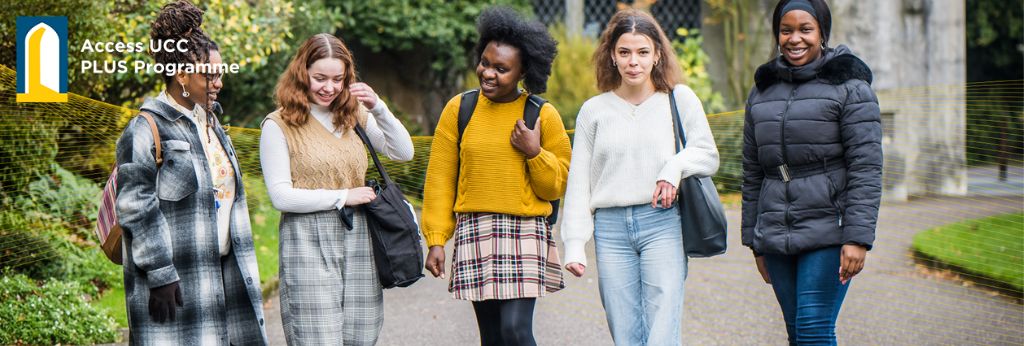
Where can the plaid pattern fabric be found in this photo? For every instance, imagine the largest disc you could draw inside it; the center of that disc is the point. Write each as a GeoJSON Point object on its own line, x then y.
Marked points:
{"type": "Point", "coordinates": [500, 256]}
{"type": "Point", "coordinates": [330, 293]}
{"type": "Point", "coordinates": [170, 234]}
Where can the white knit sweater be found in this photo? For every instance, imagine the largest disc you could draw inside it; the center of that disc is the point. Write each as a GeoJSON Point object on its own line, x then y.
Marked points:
{"type": "Point", "coordinates": [620, 153]}
{"type": "Point", "coordinates": [386, 133]}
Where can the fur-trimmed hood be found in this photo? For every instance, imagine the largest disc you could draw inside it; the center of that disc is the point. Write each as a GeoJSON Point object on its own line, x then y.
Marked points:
{"type": "Point", "coordinates": [837, 66]}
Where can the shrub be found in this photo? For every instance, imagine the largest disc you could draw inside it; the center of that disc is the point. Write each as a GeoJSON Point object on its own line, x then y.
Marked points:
{"type": "Point", "coordinates": [693, 59]}
{"type": "Point", "coordinates": [572, 79]}
{"type": "Point", "coordinates": [53, 313]}
{"type": "Point", "coordinates": [27, 247]}
{"type": "Point", "coordinates": [62, 197]}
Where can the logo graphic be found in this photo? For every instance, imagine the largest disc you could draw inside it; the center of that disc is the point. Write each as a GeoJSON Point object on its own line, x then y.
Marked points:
{"type": "Point", "coordinates": [42, 59]}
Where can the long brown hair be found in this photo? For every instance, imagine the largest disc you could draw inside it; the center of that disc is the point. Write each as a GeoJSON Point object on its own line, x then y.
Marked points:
{"type": "Point", "coordinates": [665, 75]}
{"type": "Point", "coordinates": [292, 92]}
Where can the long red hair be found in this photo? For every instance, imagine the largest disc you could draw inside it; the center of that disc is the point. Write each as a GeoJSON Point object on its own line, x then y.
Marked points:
{"type": "Point", "coordinates": [292, 92]}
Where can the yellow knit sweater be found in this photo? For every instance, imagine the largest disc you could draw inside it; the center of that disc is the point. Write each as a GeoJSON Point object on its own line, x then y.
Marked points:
{"type": "Point", "coordinates": [493, 176]}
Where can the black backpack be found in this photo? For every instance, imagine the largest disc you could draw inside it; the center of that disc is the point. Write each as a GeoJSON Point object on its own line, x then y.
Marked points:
{"type": "Point", "coordinates": [530, 115]}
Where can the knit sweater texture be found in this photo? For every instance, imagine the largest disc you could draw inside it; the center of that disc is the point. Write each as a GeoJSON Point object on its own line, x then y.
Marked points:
{"type": "Point", "coordinates": [622, 150]}
{"type": "Point", "coordinates": [487, 174]}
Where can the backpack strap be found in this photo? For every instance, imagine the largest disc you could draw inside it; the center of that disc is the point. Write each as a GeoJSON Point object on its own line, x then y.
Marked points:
{"type": "Point", "coordinates": [466, 107]}
{"type": "Point", "coordinates": [156, 136]}
{"type": "Point", "coordinates": [532, 111]}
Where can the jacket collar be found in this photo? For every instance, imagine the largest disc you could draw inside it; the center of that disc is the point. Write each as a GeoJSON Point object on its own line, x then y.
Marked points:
{"type": "Point", "coordinates": [836, 66]}
{"type": "Point", "coordinates": [152, 105]}
{"type": "Point", "coordinates": [161, 109]}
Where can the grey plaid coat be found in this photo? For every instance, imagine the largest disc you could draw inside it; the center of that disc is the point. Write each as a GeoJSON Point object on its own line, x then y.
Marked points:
{"type": "Point", "coordinates": [170, 234]}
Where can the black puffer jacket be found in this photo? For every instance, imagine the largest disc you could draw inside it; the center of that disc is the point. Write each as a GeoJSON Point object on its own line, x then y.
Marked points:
{"type": "Point", "coordinates": [822, 121]}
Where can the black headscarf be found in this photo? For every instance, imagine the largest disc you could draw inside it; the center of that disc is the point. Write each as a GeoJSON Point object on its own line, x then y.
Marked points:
{"type": "Point", "coordinates": [817, 8]}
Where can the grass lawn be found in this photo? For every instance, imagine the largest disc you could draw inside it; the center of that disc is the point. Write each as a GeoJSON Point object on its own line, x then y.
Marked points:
{"type": "Point", "coordinates": [264, 219]}
{"type": "Point", "coordinates": [990, 247]}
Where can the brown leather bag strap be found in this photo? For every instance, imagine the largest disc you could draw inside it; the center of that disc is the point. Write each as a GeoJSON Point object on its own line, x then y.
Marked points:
{"type": "Point", "coordinates": [156, 137]}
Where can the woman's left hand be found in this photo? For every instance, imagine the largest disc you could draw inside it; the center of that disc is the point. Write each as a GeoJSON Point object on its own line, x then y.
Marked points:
{"type": "Point", "coordinates": [364, 94]}
{"type": "Point", "coordinates": [526, 140]}
{"type": "Point", "coordinates": [665, 193]}
{"type": "Point", "coordinates": [851, 261]}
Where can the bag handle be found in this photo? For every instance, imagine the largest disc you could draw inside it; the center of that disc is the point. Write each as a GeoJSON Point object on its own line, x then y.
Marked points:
{"type": "Point", "coordinates": [677, 128]}
{"type": "Point", "coordinates": [376, 160]}
{"type": "Point", "coordinates": [156, 137]}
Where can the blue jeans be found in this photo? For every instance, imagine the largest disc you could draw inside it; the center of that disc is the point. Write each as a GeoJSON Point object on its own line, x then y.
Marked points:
{"type": "Point", "coordinates": [808, 289]}
{"type": "Point", "coordinates": [641, 270]}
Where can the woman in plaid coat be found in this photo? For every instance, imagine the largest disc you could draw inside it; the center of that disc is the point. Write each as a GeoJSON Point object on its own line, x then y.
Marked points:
{"type": "Point", "coordinates": [190, 275]}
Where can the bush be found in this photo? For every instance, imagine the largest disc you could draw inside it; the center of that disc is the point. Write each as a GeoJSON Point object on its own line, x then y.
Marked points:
{"type": "Point", "coordinates": [64, 198]}
{"type": "Point", "coordinates": [572, 79]}
{"type": "Point", "coordinates": [27, 247]}
{"type": "Point", "coordinates": [54, 313]}
{"type": "Point", "coordinates": [693, 59]}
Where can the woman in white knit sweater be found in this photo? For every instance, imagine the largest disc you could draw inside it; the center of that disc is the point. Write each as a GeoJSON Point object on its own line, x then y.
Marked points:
{"type": "Point", "coordinates": [623, 177]}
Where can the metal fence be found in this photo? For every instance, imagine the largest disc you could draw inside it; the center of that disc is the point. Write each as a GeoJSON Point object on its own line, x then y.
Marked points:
{"type": "Point", "coordinates": [671, 14]}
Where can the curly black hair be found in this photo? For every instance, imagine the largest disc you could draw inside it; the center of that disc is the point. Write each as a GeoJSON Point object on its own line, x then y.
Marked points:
{"type": "Point", "coordinates": [537, 49]}
{"type": "Point", "coordinates": [181, 20]}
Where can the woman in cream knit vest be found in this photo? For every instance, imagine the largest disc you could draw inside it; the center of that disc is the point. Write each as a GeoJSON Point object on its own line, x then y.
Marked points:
{"type": "Point", "coordinates": [314, 165]}
{"type": "Point", "coordinates": [622, 182]}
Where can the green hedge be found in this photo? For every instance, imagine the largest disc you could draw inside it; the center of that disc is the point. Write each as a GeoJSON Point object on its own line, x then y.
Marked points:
{"type": "Point", "coordinates": [55, 312]}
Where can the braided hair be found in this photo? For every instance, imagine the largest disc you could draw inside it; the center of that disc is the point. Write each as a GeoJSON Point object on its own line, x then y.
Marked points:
{"type": "Point", "coordinates": [181, 20]}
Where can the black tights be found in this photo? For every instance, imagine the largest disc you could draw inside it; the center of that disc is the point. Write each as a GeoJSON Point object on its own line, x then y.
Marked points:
{"type": "Point", "coordinates": [505, 322]}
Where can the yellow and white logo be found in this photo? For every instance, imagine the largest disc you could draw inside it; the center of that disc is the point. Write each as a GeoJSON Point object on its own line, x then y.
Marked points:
{"type": "Point", "coordinates": [42, 59]}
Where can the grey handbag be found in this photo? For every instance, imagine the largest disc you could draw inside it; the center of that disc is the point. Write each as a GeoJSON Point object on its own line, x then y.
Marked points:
{"type": "Point", "coordinates": [700, 210]}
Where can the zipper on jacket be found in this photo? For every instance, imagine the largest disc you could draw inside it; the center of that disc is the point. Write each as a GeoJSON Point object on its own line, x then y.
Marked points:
{"type": "Point", "coordinates": [785, 161]}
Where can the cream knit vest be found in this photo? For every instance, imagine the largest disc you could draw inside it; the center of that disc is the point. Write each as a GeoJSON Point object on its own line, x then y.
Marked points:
{"type": "Point", "coordinates": [319, 160]}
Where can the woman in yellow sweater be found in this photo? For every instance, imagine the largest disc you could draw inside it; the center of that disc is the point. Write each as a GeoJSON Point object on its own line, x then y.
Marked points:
{"type": "Point", "coordinates": [490, 186]}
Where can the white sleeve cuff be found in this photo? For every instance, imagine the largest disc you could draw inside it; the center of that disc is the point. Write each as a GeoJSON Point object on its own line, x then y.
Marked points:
{"type": "Point", "coordinates": [575, 252]}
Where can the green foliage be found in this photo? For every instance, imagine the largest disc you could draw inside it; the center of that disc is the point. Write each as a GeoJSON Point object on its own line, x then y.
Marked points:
{"type": "Point", "coordinates": [693, 59]}
{"type": "Point", "coordinates": [728, 133]}
{"type": "Point", "coordinates": [746, 38]}
{"type": "Point", "coordinates": [572, 79]}
{"type": "Point", "coordinates": [54, 313]}
{"type": "Point", "coordinates": [988, 247]}
{"type": "Point", "coordinates": [431, 40]}
{"type": "Point", "coordinates": [249, 96]}
{"type": "Point", "coordinates": [264, 219]}
{"type": "Point", "coordinates": [441, 31]}
{"type": "Point", "coordinates": [64, 198]}
{"type": "Point", "coordinates": [27, 148]}
{"type": "Point", "coordinates": [28, 246]}
{"type": "Point", "coordinates": [996, 29]}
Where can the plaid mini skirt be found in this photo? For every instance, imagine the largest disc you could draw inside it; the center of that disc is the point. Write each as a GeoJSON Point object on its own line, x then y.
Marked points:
{"type": "Point", "coordinates": [501, 256]}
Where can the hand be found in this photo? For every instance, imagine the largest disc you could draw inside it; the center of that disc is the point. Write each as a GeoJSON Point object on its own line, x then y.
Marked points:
{"type": "Point", "coordinates": [576, 268]}
{"type": "Point", "coordinates": [761, 269]}
{"type": "Point", "coordinates": [435, 261]}
{"type": "Point", "coordinates": [526, 140]}
{"type": "Point", "coordinates": [364, 93]}
{"type": "Point", "coordinates": [359, 195]}
{"type": "Point", "coordinates": [162, 301]}
{"type": "Point", "coordinates": [851, 261]}
{"type": "Point", "coordinates": [665, 193]}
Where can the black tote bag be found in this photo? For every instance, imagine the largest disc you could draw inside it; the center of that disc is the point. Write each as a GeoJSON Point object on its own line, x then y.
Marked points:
{"type": "Point", "coordinates": [700, 210]}
{"type": "Point", "coordinates": [396, 237]}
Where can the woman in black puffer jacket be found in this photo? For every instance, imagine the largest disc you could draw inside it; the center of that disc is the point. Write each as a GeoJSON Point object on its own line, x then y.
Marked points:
{"type": "Point", "coordinates": [812, 170]}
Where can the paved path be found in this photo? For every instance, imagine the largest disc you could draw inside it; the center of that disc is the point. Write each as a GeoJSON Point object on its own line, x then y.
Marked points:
{"type": "Point", "coordinates": [893, 302]}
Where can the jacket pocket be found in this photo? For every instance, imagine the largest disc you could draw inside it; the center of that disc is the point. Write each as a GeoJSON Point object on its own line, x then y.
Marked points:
{"type": "Point", "coordinates": [177, 176]}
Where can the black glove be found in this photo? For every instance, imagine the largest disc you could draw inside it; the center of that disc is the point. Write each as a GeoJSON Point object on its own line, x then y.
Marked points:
{"type": "Point", "coordinates": [162, 301]}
